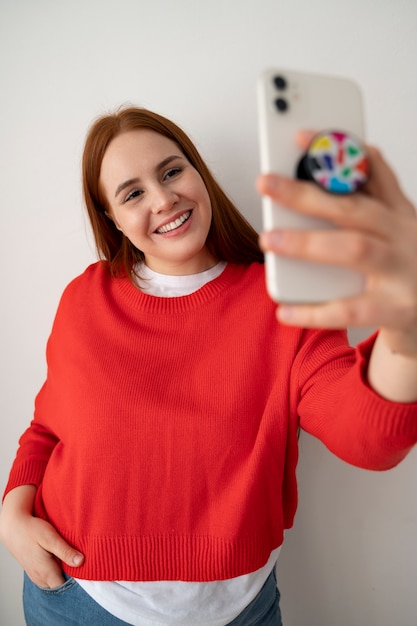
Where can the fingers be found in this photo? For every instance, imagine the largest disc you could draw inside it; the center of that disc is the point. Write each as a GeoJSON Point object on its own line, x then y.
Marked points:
{"type": "Point", "coordinates": [47, 550]}
{"type": "Point", "coordinates": [383, 188]}
{"type": "Point", "coordinates": [39, 549]}
{"type": "Point", "coordinates": [55, 545]}
{"type": "Point", "coordinates": [355, 211]}
{"type": "Point", "coordinates": [362, 311]}
{"type": "Point", "coordinates": [45, 571]}
{"type": "Point", "coordinates": [356, 250]}
{"type": "Point", "coordinates": [335, 314]}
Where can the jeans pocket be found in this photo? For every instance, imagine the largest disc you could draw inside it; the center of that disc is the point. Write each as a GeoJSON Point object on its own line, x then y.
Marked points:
{"type": "Point", "coordinates": [54, 591]}
{"type": "Point", "coordinates": [49, 607]}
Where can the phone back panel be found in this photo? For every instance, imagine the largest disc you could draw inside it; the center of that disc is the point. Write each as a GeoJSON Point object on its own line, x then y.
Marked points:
{"type": "Point", "coordinates": [318, 103]}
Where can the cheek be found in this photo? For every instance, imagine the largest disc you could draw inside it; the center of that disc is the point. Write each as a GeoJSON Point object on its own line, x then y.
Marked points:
{"type": "Point", "coordinates": [205, 202]}
{"type": "Point", "coordinates": [134, 225]}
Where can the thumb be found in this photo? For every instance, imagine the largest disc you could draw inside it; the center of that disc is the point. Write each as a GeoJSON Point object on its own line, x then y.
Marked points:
{"type": "Point", "coordinates": [52, 542]}
{"type": "Point", "coordinates": [66, 553]}
{"type": "Point", "coordinates": [304, 137]}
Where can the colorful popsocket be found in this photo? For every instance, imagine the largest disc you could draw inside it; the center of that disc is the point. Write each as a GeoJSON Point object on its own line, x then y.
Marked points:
{"type": "Point", "coordinates": [336, 161]}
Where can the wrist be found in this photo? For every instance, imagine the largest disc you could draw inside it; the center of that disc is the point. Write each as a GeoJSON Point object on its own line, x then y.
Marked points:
{"type": "Point", "coordinates": [400, 342]}
{"type": "Point", "coordinates": [20, 500]}
{"type": "Point", "coordinates": [392, 370]}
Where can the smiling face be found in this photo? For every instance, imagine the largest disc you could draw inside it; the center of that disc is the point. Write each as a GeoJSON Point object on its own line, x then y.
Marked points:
{"type": "Point", "coordinates": [158, 200]}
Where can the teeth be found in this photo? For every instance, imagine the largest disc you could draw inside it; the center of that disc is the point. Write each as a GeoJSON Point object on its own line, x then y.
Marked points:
{"type": "Point", "coordinates": [175, 224]}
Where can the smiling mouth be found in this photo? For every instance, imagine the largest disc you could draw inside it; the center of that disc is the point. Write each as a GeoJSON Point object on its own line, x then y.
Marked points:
{"type": "Point", "coordinates": [166, 228]}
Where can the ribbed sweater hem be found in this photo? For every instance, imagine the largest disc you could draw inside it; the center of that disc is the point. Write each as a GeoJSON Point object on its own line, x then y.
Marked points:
{"type": "Point", "coordinates": [190, 558]}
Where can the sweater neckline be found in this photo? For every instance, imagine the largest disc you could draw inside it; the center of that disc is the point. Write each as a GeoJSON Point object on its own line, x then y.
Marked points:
{"type": "Point", "coordinates": [169, 286]}
{"type": "Point", "coordinates": [136, 299]}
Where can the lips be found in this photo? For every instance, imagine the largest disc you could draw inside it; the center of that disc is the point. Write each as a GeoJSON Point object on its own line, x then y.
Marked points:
{"type": "Point", "coordinates": [170, 226]}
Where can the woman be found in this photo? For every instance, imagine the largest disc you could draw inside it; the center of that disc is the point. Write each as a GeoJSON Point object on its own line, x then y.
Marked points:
{"type": "Point", "coordinates": [158, 475]}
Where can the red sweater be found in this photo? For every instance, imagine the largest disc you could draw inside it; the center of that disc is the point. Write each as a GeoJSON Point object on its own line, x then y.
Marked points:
{"type": "Point", "coordinates": [164, 441]}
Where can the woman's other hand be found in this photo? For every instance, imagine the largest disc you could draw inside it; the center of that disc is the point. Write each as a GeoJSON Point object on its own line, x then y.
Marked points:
{"type": "Point", "coordinates": [33, 542]}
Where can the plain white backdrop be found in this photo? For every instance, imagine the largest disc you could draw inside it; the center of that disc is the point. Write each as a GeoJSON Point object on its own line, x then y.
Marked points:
{"type": "Point", "coordinates": [352, 556]}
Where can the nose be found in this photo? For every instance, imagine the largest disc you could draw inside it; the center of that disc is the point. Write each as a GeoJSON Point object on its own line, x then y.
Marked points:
{"type": "Point", "coordinates": [162, 199]}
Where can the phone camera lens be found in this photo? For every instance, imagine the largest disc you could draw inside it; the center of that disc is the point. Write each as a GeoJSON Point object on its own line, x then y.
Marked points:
{"type": "Point", "coordinates": [280, 82]}
{"type": "Point", "coordinates": [281, 104]}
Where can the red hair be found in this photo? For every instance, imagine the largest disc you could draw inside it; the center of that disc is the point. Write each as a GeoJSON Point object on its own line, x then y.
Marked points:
{"type": "Point", "coordinates": [231, 237]}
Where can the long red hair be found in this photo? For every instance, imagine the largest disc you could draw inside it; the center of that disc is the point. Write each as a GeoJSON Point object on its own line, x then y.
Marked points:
{"type": "Point", "coordinates": [231, 237]}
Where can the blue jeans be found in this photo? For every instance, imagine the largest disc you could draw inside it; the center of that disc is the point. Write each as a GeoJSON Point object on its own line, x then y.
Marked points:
{"type": "Point", "coordinates": [70, 605]}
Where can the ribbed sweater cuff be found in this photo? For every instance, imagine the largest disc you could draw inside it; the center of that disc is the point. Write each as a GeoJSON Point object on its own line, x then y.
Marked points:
{"type": "Point", "coordinates": [29, 473]}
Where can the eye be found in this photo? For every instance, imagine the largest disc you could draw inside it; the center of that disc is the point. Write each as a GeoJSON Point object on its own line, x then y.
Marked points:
{"type": "Point", "coordinates": [171, 173]}
{"type": "Point", "coordinates": [135, 193]}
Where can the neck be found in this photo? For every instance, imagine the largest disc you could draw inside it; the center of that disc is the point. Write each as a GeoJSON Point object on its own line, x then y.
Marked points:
{"type": "Point", "coordinates": [183, 268]}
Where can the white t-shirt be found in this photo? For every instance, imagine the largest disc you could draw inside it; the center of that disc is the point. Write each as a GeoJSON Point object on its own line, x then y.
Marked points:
{"type": "Point", "coordinates": [178, 603]}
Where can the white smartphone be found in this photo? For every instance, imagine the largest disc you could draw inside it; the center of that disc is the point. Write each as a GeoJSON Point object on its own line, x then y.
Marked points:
{"type": "Point", "coordinates": [289, 101]}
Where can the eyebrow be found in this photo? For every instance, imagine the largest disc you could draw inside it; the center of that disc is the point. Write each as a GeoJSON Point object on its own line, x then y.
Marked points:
{"type": "Point", "coordinates": [160, 165]}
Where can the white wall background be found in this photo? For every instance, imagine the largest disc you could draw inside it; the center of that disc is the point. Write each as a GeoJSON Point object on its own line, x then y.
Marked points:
{"type": "Point", "coordinates": [352, 556]}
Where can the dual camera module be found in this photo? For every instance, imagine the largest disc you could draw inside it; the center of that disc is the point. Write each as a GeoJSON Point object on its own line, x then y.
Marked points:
{"type": "Point", "coordinates": [281, 103]}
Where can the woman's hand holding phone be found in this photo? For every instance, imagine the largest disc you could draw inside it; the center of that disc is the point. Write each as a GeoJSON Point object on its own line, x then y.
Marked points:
{"type": "Point", "coordinates": [378, 238]}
